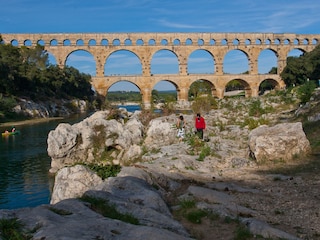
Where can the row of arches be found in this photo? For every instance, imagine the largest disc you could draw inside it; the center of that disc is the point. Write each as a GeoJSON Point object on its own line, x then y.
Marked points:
{"type": "Point", "coordinates": [125, 62]}
{"type": "Point", "coordinates": [166, 42]}
{"type": "Point", "coordinates": [236, 86]}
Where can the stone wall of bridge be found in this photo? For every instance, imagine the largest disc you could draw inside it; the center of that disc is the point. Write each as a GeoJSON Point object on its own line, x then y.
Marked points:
{"type": "Point", "coordinates": [145, 45]}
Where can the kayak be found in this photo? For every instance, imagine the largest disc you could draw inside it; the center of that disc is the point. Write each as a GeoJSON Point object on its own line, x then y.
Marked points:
{"type": "Point", "coordinates": [10, 133]}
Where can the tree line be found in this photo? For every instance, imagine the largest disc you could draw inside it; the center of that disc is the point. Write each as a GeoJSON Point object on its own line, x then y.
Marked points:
{"type": "Point", "coordinates": [26, 72]}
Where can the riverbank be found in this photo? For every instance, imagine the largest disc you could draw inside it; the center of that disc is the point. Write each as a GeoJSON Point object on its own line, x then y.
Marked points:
{"type": "Point", "coordinates": [29, 121]}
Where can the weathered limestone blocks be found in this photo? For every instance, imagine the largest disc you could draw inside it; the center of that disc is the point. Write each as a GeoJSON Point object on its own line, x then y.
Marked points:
{"type": "Point", "coordinates": [280, 142]}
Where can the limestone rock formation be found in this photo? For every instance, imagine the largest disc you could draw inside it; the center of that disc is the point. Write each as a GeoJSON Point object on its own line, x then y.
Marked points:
{"type": "Point", "coordinates": [161, 132]}
{"type": "Point", "coordinates": [89, 139]}
{"type": "Point", "coordinates": [73, 182]}
{"type": "Point", "coordinates": [50, 109]}
{"type": "Point", "coordinates": [280, 142]}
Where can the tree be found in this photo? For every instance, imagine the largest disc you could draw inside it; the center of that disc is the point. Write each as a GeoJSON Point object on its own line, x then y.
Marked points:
{"type": "Point", "coordinates": [155, 96]}
{"type": "Point", "coordinates": [273, 70]}
{"type": "Point", "coordinates": [299, 69]}
{"type": "Point", "coordinates": [294, 73]}
{"type": "Point", "coordinates": [234, 85]}
{"type": "Point", "coordinates": [199, 88]}
{"type": "Point", "coordinates": [10, 63]}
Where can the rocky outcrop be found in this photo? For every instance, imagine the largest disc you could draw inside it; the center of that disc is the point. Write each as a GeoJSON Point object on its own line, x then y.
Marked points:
{"type": "Point", "coordinates": [93, 137]}
{"type": "Point", "coordinates": [57, 108]}
{"type": "Point", "coordinates": [280, 142]}
{"type": "Point", "coordinates": [139, 192]}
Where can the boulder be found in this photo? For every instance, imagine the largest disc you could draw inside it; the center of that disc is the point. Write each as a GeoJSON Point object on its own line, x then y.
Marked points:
{"type": "Point", "coordinates": [161, 132]}
{"type": "Point", "coordinates": [91, 138]}
{"type": "Point", "coordinates": [73, 182]}
{"type": "Point", "coordinates": [281, 142]}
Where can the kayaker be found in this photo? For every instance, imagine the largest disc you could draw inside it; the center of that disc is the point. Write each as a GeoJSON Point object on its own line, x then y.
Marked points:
{"type": "Point", "coordinates": [13, 129]}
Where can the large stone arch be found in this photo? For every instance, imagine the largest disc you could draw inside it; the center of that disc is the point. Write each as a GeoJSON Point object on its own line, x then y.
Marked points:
{"type": "Point", "coordinates": [78, 50]}
{"type": "Point", "coordinates": [109, 54]}
{"type": "Point", "coordinates": [239, 50]}
{"type": "Point", "coordinates": [246, 86]}
{"type": "Point", "coordinates": [213, 89]}
{"type": "Point", "coordinates": [201, 50]}
{"type": "Point", "coordinates": [273, 83]}
{"type": "Point", "coordinates": [172, 82]}
{"type": "Point", "coordinates": [124, 80]}
{"type": "Point", "coordinates": [271, 50]}
{"type": "Point", "coordinates": [155, 52]}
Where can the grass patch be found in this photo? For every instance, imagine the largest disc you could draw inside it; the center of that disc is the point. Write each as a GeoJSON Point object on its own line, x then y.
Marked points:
{"type": "Point", "coordinates": [189, 211]}
{"type": "Point", "coordinates": [195, 216]}
{"type": "Point", "coordinates": [108, 210]}
{"type": "Point", "coordinates": [11, 229]}
{"type": "Point", "coordinates": [242, 233]}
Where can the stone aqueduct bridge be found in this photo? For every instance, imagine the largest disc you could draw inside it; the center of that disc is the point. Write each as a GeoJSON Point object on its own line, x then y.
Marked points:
{"type": "Point", "coordinates": [145, 45]}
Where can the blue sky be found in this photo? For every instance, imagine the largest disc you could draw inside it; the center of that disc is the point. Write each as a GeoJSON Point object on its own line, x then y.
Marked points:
{"type": "Point", "coordinates": [111, 16]}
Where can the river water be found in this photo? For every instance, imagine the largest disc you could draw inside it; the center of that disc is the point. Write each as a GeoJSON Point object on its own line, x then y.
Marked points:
{"type": "Point", "coordinates": [24, 164]}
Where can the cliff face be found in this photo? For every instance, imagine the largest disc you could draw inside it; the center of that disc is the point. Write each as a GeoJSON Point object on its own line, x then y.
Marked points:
{"type": "Point", "coordinates": [56, 108]}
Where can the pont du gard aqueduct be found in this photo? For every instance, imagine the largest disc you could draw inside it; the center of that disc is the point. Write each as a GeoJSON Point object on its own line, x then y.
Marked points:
{"type": "Point", "coordinates": [145, 45]}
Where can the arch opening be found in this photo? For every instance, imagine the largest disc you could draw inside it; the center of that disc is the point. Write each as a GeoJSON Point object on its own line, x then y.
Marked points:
{"type": "Point", "coordinates": [236, 62]}
{"type": "Point", "coordinates": [83, 61]}
{"type": "Point", "coordinates": [124, 92]}
{"type": "Point", "coordinates": [164, 91]}
{"type": "Point", "coordinates": [122, 62]}
{"type": "Point", "coordinates": [237, 88]}
{"type": "Point", "coordinates": [268, 85]}
{"type": "Point", "coordinates": [164, 62]}
{"type": "Point", "coordinates": [201, 61]}
{"type": "Point", "coordinates": [267, 62]}
{"type": "Point", "coordinates": [201, 87]}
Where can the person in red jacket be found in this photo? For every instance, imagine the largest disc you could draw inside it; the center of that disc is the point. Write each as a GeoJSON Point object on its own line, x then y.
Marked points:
{"type": "Point", "coordinates": [200, 125]}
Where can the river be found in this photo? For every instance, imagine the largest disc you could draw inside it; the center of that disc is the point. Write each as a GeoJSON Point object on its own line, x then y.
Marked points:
{"type": "Point", "coordinates": [24, 164]}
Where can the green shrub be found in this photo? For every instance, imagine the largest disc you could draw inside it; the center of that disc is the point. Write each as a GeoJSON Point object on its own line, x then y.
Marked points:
{"type": "Point", "coordinates": [105, 171]}
{"type": "Point", "coordinates": [204, 104]}
{"type": "Point", "coordinates": [255, 108]}
{"type": "Point", "coordinates": [205, 151]}
{"type": "Point", "coordinates": [305, 91]}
